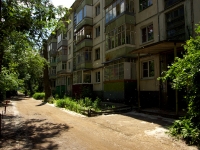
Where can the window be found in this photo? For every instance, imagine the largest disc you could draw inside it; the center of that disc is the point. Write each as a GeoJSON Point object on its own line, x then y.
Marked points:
{"type": "Point", "coordinates": [84, 33]}
{"type": "Point", "coordinates": [97, 76]}
{"type": "Point", "coordinates": [114, 71]}
{"type": "Point", "coordinates": [59, 38]}
{"type": "Point", "coordinates": [175, 23]}
{"type": "Point", "coordinates": [68, 81]}
{"type": "Point", "coordinates": [97, 9]}
{"type": "Point", "coordinates": [69, 65]}
{"type": "Point", "coordinates": [97, 54]}
{"type": "Point", "coordinates": [129, 6]}
{"type": "Point", "coordinates": [69, 35]}
{"type": "Point", "coordinates": [120, 35]}
{"type": "Point", "coordinates": [97, 31]}
{"type": "Point", "coordinates": [144, 4]}
{"type": "Point", "coordinates": [147, 33]}
{"type": "Point", "coordinates": [69, 50]}
{"type": "Point", "coordinates": [114, 10]}
{"type": "Point", "coordinates": [64, 66]}
{"type": "Point", "coordinates": [148, 69]}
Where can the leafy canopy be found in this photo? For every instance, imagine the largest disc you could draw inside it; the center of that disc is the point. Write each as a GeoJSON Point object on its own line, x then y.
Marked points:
{"type": "Point", "coordinates": [185, 75]}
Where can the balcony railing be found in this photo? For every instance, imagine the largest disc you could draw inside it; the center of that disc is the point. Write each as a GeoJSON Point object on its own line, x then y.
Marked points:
{"type": "Point", "coordinates": [61, 58]}
{"type": "Point", "coordinates": [85, 21]}
{"type": "Point", "coordinates": [62, 43]}
{"type": "Point", "coordinates": [84, 43]}
{"type": "Point", "coordinates": [52, 76]}
{"type": "Point", "coordinates": [170, 3]}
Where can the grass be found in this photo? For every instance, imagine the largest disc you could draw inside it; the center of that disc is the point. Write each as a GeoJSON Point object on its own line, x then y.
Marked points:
{"type": "Point", "coordinates": [39, 96]}
{"type": "Point", "coordinates": [78, 105]}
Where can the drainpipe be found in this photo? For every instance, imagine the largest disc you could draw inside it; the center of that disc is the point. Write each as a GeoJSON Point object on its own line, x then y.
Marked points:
{"type": "Point", "coordinates": [160, 82]}
{"type": "Point", "coordinates": [82, 77]}
{"type": "Point", "coordinates": [192, 17]}
{"type": "Point", "coordinates": [176, 91]}
{"type": "Point", "coordinates": [158, 22]}
{"type": "Point", "coordinates": [139, 81]}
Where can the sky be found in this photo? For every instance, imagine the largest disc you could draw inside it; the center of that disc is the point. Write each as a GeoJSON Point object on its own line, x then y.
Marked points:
{"type": "Point", "coordinates": [66, 3]}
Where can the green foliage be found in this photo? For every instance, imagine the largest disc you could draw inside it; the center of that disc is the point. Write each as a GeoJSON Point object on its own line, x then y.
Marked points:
{"type": "Point", "coordinates": [79, 105]}
{"type": "Point", "coordinates": [39, 96]}
{"type": "Point", "coordinates": [185, 129]}
{"type": "Point", "coordinates": [51, 100]}
{"type": "Point", "coordinates": [24, 25]}
{"type": "Point", "coordinates": [96, 104]}
{"type": "Point", "coordinates": [185, 75]}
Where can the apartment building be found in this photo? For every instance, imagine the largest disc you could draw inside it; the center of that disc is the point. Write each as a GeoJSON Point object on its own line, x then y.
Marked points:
{"type": "Point", "coordinates": [116, 49]}
{"type": "Point", "coordinates": [162, 26]}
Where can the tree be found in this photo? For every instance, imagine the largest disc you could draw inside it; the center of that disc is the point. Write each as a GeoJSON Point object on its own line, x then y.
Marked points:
{"type": "Point", "coordinates": [23, 26]}
{"type": "Point", "coordinates": [185, 75]}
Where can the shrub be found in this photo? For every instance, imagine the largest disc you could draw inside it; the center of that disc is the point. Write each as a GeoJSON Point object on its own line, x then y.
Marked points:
{"type": "Point", "coordinates": [185, 129]}
{"type": "Point", "coordinates": [51, 100]}
{"type": "Point", "coordinates": [39, 96]}
{"type": "Point", "coordinates": [96, 104]}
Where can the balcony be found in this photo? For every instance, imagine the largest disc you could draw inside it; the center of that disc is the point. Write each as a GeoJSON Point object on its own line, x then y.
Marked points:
{"type": "Point", "coordinates": [84, 65]}
{"type": "Point", "coordinates": [119, 51]}
{"type": "Point", "coordinates": [84, 43]}
{"type": "Point", "coordinates": [108, 2]}
{"type": "Point", "coordinates": [170, 3]}
{"type": "Point", "coordinates": [62, 43]}
{"type": "Point", "coordinates": [53, 64]}
{"type": "Point", "coordinates": [118, 21]}
{"type": "Point", "coordinates": [63, 72]}
{"type": "Point", "coordinates": [61, 58]}
{"type": "Point", "coordinates": [52, 52]}
{"type": "Point", "coordinates": [85, 21]}
{"type": "Point", "coordinates": [52, 76]}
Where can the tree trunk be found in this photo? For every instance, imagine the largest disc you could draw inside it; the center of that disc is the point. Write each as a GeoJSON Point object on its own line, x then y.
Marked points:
{"type": "Point", "coordinates": [47, 87]}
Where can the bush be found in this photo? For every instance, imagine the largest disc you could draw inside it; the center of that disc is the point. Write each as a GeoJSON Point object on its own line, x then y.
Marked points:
{"type": "Point", "coordinates": [96, 104]}
{"type": "Point", "coordinates": [185, 129]}
{"type": "Point", "coordinates": [39, 96]}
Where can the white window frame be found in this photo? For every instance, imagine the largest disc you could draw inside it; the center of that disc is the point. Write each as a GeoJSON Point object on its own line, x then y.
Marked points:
{"type": "Point", "coordinates": [97, 31]}
{"type": "Point", "coordinates": [148, 69]}
{"type": "Point", "coordinates": [59, 38]}
{"type": "Point", "coordinates": [98, 77]}
{"type": "Point", "coordinates": [97, 9]}
{"type": "Point", "coordinates": [97, 53]}
{"type": "Point", "coordinates": [148, 38]}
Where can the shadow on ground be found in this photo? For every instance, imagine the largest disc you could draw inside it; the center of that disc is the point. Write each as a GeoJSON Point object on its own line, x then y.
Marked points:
{"type": "Point", "coordinates": [156, 119]}
{"type": "Point", "coordinates": [30, 134]}
{"type": "Point", "coordinates": [43, 103]}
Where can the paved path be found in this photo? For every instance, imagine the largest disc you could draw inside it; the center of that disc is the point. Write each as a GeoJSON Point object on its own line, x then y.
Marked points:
{"type": "Point", "coordinates": [31, 124]}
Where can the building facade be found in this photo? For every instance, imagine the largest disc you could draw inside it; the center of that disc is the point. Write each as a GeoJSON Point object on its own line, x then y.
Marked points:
{"type": "Point", "coordinates": [116, 49]}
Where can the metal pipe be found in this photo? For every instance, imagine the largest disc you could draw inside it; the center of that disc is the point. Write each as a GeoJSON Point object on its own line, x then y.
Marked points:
{"type": "Point", "coordinates": [138, 81]}
{"type": "Point", "coordinates": [176, 91]}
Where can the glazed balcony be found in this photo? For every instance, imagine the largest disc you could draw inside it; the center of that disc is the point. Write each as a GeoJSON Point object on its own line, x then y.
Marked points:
{"type": "Point", "coordinates": [84, 65]}
{"type": "Point", "coordinates": [84, 43]}
{"type": "Point", "coordinates": [108, 2]}
{"type": "Point", "coordinates": [85, 21]}
{"type": "Point", "coordinates": [52, 76]}
{"type": "Point", "coordinates": [62, 43]}
{"type": "Point", "coordinates": [63, 71]}
{"type": "Point", "coordinates": [61, 58]}
{"type": "Point", "coordinates": [118, 21]}
{"type": "Point", "coordinates": [53, 64]}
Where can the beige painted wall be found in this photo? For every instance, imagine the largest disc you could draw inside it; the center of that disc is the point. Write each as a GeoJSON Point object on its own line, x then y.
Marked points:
{"type": "Point", "coordinates": [146, 13]}
{"type": "Point", "coordinates": [149, 84]}
{"type": "Point", "coordinates": [97, 86]}
{"type": "Point", "coordinates": [138, 27]}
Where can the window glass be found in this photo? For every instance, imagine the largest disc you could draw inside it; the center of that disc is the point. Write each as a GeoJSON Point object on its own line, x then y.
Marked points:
{"type": "Point", "coordinates": [122, 7]}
